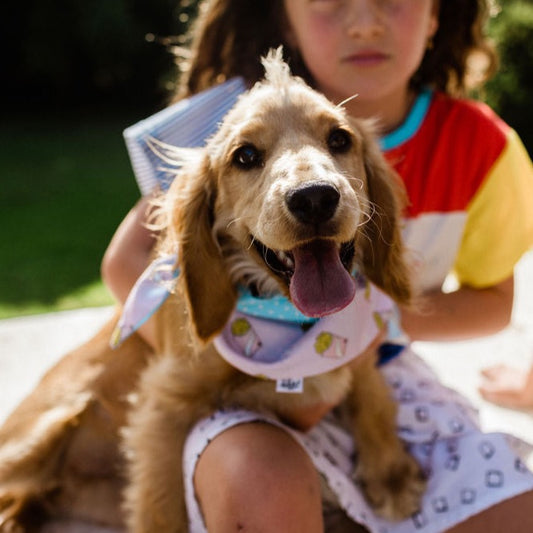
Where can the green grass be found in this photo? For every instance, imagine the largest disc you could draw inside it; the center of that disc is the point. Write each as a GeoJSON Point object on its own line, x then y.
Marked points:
{"type": "Point", "coordinates": [66, 183]}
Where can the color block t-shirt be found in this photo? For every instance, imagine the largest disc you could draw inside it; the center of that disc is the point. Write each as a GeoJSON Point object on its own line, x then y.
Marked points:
{"type": "Point", "coordinates": [469, 182]}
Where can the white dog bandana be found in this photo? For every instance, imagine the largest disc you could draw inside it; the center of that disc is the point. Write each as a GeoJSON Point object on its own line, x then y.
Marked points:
{"type": "Point", "coordinates": [268, 337]}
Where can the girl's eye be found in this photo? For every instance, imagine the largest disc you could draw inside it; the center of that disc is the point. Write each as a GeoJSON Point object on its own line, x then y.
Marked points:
{"type": "Point", "coordinates": [247, 157]}
{"type": "Point", "coordinates": [339, 141]}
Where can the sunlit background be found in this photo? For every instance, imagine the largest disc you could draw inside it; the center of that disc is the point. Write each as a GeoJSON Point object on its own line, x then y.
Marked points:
{"type": "Point", "coordinates": [76, 73]}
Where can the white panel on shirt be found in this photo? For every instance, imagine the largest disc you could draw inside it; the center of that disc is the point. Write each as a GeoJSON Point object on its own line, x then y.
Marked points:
{"type": "Point", "coordinates": [432, 240]}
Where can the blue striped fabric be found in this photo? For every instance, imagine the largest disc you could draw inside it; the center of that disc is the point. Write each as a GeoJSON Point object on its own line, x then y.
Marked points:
{"type": "Point", "coordinates": [187, 123]}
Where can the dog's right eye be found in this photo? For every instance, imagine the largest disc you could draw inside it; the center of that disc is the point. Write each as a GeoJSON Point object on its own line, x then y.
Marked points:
{"type": "Point", "coordinates": [247, 157]}
{"type": "Point", "coordinates": [339, 141]}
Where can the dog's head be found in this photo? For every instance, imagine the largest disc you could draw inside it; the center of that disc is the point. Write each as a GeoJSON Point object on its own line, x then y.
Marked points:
{"type": "Point", "coordinates": [289, 196]}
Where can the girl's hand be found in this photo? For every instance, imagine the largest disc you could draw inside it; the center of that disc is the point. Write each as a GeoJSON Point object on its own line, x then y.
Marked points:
{"type": "Point", "coordinates": [305, 417]}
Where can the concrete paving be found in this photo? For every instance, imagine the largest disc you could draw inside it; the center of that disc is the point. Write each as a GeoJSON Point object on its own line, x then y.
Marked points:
{"type": "Point", "coordinates": [30, 345]}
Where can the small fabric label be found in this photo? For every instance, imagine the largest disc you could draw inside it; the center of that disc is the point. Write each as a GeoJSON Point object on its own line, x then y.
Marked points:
{"type": "Point", "coordinates": [290, 385]}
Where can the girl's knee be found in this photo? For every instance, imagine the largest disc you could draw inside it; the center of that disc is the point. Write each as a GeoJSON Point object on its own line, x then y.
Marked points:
{"type": "Point", "coordinates": [256, 473]}
{"type": "Point", "coordinates": [513, 515]}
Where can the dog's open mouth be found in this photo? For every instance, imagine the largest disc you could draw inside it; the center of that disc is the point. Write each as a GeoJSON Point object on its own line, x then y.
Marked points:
{"type": "Point", "coordinates": [317, 273]}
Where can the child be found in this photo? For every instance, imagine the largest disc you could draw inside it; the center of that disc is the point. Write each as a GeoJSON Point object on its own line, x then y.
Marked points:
{"type": "Point", "coordinates": [470, 183]}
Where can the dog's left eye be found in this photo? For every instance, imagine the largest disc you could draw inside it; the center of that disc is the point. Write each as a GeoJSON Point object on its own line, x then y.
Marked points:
{"type": "Point", "coordinates": [339, 141]}
{"type": "Point", "coordinates": [247, 157]}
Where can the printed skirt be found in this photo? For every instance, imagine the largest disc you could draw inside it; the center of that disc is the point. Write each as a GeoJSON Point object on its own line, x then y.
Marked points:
{"type": "Point", "coordinates": [467, 470]}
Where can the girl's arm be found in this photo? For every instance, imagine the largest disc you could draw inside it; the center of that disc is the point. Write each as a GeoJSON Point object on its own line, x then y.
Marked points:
{"type": "Point", "coordinates": [127, 256]}
{"type": "Point", "coordinates": [128, 252]}
{"type": "Point", "coordinates": [463, 314]}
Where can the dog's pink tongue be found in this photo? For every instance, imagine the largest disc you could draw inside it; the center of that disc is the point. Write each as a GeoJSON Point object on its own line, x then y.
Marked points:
{"type": "Point", "coordinates": [320, 284]}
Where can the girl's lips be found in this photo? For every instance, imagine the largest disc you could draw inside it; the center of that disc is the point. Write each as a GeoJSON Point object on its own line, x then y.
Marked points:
{"type": "Point", "coordinates": [367, 58]}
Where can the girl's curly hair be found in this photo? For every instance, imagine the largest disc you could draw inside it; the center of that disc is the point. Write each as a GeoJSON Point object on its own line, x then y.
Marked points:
{"type": "Point", "coordinates": [230, 36]}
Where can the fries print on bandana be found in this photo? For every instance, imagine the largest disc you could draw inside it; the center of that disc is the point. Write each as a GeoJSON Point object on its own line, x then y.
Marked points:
{"type": "Point", "coordinates": [270, 338]}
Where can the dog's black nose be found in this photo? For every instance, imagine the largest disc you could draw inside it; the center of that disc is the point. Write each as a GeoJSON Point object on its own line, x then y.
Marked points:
{"type": "Point", "coordinates": [313, 204]}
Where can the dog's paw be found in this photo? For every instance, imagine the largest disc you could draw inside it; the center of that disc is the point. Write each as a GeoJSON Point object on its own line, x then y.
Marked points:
{"type": "Point", "coordinates": [393, 489]}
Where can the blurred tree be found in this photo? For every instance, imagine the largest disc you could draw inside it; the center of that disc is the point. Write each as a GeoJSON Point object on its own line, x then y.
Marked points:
{"type": "Point", "coordinates": [509, 93]}
{"type": "Point", "coordinates": [117, 51]}
{"type": "Point", "coordinates": [70, 51]}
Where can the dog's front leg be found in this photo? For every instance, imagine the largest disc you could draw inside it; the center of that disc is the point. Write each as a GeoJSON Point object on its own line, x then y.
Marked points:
{"type": "Point", "coordinates": [153, 445]}
{"type": "Point", "coordinates": [389, 476]}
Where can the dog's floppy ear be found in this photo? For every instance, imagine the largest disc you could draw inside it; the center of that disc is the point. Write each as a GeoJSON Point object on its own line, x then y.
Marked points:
{"type": "Point", "coordinates": [383, 258]}
{"type": "Point", "coordinates": [204, 279]}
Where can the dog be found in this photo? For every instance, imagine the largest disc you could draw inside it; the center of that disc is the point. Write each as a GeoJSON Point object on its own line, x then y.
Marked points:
{"type": "Point", "coordinates": [288, 197]}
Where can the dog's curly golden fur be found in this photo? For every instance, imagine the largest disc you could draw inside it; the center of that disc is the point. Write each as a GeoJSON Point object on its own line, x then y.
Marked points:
{"type": "Point", "coordinates": [287, 176]}
{"type": "Point", "coordinates": [287, 179]}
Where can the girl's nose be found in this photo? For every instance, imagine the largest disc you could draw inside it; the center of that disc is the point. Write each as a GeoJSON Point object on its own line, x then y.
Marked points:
{"type": "Point", "coordinates": [364, 18]}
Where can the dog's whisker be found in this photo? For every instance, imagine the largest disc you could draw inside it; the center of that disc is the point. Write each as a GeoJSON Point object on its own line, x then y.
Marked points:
{"type": "Point", "coordinates": [232, 221]}
{"type": "Point", "coordinates": [359, 183]}
{"type": "Point", "coordinates": [366, 217]}
{"type": "Point", "coordinates": [349, 99]}
{"type": "Point", "coordinates": [251, 243]}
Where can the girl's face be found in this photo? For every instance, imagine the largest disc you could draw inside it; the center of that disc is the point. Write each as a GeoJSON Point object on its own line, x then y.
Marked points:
{"type": "Point", "coordinates": [370, 48]}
